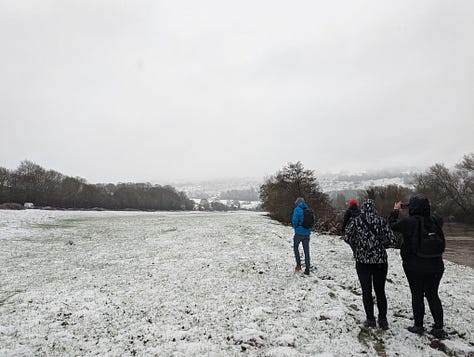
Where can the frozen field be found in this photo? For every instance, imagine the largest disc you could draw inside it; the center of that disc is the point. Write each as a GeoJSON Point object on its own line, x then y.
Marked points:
{"type": "Point", "coordinates": [180, 284]}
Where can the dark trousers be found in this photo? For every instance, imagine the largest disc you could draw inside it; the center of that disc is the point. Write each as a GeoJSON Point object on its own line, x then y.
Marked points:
{"type": "Point", "coordinates": [421, 285]}
{"type": "Point", "coordinates": [304, 240]}
{"type": "Point", "coordinates": [376, 275]}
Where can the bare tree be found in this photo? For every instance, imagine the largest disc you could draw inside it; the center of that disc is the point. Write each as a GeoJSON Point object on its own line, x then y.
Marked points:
{"type": "Point", "coordinates": [451, 191]}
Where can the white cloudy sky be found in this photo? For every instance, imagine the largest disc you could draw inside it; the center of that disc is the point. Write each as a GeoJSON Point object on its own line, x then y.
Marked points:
{"type": "Point", "coordinates": [154, 90]}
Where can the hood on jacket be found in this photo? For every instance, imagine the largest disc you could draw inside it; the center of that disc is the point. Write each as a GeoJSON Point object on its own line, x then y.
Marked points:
{"type": "Point", "coordinates": [299, 200]}
{"type": "Point", "coordinates": [369, 211]}
{"type": "Point", "coordinates": [368, 207]}
{"type": "Point", "coordinates": [302, 205]}
{"type": "Point", "coordinates": [419, 205]}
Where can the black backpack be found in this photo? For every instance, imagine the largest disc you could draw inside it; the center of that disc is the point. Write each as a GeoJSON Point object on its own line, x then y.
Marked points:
{"type": "Point", "coordinates": [308, 218]}
{"type": "Point", "coordinates": [431, 244]}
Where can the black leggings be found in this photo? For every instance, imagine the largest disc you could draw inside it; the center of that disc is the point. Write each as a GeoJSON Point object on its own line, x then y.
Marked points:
{"type": "Point", "coordinates": [421, 285]}
{"type": "Point", "coordinates": [375, 274]}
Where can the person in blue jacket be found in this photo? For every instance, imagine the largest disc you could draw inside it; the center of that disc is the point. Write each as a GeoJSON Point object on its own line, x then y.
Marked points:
{"type": "Point", "coordinates": [301, 235]}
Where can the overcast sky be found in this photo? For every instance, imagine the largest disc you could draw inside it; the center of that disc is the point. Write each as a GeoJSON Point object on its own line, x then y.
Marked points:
{"type": "Point", "coordinates": [179, 90]}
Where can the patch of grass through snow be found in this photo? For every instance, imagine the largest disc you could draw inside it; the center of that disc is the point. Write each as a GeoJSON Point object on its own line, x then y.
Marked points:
{"type": "Point", "coordinates": [52, 225]}
{"type": "Point", "coordinates": [366, 336]}
{"type": "Point", "coordinates": [8, 295]}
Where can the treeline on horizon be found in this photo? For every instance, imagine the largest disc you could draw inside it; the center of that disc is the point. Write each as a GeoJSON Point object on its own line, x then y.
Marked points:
{"type": "Point", "coordinates": [248, 194]}
{"type": "Point", "coordinates": [30, 182]}
{"type": "Point", "coordinates": [450, 191]}
{"type": "Point", "coordinates": [407, 177]}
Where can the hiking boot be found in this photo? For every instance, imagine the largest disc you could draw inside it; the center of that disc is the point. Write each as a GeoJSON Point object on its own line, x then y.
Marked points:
{"type": "Point", "coordinates": [370, 323]}
{"type": "Point", "coordinates": [298, 267]}
{"type": "Point", "coordinates": [439, 333]}
{"type": "Point", "coordinates": [383, 324]}
{"type": "Point", "coordinates": [419, 330]}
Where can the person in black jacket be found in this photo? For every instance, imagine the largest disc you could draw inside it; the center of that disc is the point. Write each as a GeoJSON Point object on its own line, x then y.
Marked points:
{"type": "Point", "coordinates": [369, 235]}
{"type": "Point", "coordinates": [423, 274]}
{"type": "Point", "coordinates": [351, 212]}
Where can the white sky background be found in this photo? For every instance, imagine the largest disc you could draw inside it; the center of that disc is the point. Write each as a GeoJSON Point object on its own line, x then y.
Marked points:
{"type": "Point", "coordinates": [173, 90]}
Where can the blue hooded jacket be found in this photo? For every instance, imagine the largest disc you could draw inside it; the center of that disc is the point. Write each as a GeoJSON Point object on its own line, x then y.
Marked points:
{"type": "Point", "coordinates": [297, 220]}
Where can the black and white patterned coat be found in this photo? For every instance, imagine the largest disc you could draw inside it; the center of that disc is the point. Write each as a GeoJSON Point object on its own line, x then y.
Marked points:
{"type": "Point", "coordinates": [369, 235]}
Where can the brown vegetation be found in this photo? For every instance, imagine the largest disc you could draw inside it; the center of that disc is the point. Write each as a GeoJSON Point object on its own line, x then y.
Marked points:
{"type": "Point", "coordinates": [10, 205]}
{"type": "Point", "coordinates": [279, 192]}
{"type": "Point", "coordinates": [451, 192]}
{"type": "Point", "coordinates": [47, 188]}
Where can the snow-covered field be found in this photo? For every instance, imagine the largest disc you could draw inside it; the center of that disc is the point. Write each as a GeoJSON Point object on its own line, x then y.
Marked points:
{"type": "Point", "coordinates": [180, 284]}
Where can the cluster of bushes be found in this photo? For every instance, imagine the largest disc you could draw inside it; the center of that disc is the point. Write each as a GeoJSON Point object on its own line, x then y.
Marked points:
{"type": "Point", "coordinates": [32, 183]}
{"type": "Point", "coordinates": [11, 206]}
{"type": "Point", "coordinates": [279, 191]}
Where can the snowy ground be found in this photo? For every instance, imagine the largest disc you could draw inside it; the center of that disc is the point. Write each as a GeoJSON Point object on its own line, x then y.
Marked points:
{"type": "Point", "coordinates": [179, 284]}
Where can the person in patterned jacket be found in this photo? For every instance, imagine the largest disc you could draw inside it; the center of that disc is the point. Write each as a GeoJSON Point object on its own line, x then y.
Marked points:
{"type": "Point", "coordinates": [369, 235]}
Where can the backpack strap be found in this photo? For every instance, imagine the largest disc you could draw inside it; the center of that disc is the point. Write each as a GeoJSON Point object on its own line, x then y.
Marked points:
{"type": "Point", "coordinates": [418, 236]}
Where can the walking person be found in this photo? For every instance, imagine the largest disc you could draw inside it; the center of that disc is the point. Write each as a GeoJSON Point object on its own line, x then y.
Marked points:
{"type": "Point", "coordinates": [369, 235]}
{"type": "Point", "coordinates": [302, 221]}
{"type": "Point", "coordinates": [351, 212]}
{"type": "Point", "coordinates": [423, 270]}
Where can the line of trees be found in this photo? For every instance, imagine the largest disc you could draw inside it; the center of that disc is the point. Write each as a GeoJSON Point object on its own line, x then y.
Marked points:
{"type": "Point", "coordinates": [216, 205]}
{"type": "Point", "coordinates": [32, 183]}
{"type": "Point", "coordinates": [249, 194]}
{"type": "Point", "coordinates": [450, 191]}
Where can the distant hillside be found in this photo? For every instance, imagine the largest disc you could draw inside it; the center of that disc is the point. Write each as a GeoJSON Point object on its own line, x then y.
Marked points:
{"type": "Point", "coordinates": [247, 189]}
{"type": "Point", "coordinates": [339, 182]}
{"type": "Point", "coordinates": [248, 194]}
{"type": "Point", "coordinates": [231, 188]}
